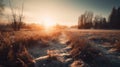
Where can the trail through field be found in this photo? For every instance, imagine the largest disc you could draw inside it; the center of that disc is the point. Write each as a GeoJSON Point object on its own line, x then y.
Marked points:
{"type": "Point", "coordinates": [58, 49]}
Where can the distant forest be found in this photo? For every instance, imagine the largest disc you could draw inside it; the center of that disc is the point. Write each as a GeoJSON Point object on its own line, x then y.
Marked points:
{"type": "Point", "coordinates": [89, 21]}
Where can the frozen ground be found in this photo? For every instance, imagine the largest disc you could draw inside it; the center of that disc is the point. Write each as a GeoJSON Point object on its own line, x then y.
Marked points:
{"type": "Point", "coordinates": [99, 39]}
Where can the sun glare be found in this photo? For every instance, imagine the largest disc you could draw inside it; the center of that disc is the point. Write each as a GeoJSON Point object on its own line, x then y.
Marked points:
{"type": "Point", "coordinates": [48, 22]}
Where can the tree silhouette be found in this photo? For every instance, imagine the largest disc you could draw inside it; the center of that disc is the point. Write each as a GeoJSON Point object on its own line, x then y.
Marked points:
{"type": "Point", "coordinates": [1, 6]}
{"type": "Point", "coordinates": [99, 22]}
{"type": "Point", "coordinates": [81, 22]}
{"type": "Point", "coordinates": [17, 21]}
{"type": "Point", "coordinates": [85, 20]}
{"type": "Point", "coordinates": [114, 18]}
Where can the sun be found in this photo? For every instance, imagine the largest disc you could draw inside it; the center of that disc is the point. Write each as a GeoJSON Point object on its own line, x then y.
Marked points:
{"type": "Point", "coordinates": [48, 22]}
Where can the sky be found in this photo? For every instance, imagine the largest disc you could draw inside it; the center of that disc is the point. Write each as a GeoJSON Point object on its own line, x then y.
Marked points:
{"type": "Point", "coordinates": [65, 12]}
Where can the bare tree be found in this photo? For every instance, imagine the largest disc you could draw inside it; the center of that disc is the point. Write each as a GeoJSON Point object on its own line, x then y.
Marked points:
{"type": "Point", "coordinates": [1, 6]}
{"type": "Point", "coordinates": [85, 20]}
{"type": "Point", "coordinates": [17, 17]}
{"type": "Point", "coordinates": [99, 22]}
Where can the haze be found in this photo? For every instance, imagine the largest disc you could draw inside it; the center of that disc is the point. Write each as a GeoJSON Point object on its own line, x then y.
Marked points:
{"type": "Point", "coordinates": [65, 12]}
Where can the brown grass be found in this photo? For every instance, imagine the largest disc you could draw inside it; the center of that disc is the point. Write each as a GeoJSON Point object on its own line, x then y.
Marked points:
{"type": "Point", "coordinates": [117, 46]}
{"type": "Point", "coordinates": [77, 47]}
{"type": "Point", "coordinates": [78, 63]}
{"type": "Point", "coordinates": [13, 47]}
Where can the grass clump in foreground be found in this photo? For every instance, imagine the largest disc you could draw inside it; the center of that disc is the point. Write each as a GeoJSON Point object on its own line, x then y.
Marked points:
{"type": "Point", "coordinates": [14, 45]}
{"type": "Point", "coordinates": [13, 48]}
{"type": "Point", "coordinates": [117, 46]}
{"type": "Point", "coordinates": [14, 53]}
{"type": "Point", "coordinates": [83, 51]}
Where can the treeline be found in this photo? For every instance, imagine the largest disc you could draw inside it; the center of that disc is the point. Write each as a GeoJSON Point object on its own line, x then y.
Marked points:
{"type": "Point", "coordinates": [16, 19]}
{"type": "Point", "coordinates": [88, 20]}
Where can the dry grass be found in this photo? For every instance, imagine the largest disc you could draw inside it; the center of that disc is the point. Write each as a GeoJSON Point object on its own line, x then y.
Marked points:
{"type": "Point", "coordinates": [117, 46]}
{"type": "Point", "coordinates": [78, 63]}
{"type": "Point", "coordinates": [13, 47]}
{"type": "Point", "coordinates": [13, 53]}
{"type": "Point", "coordinates": [83, 46]}
{"type": "Point", "coordinates": [77, 47]}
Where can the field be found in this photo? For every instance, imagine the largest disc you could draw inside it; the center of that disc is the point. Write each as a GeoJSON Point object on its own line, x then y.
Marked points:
{"type": "Point", "coordinates": [63, 48]}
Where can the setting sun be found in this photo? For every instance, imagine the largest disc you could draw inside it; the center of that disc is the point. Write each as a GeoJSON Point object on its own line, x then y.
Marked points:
{"type": "Point", "coordinates": [48, 22]}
